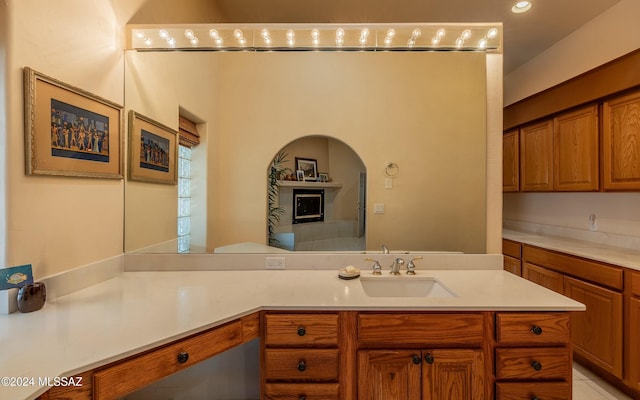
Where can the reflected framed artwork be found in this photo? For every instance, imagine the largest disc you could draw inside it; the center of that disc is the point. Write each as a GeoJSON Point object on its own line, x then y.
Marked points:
{"type": "Point", "coordinates": [153, 151]}
{"type": "Point", "coordinates": [69, 131]}
{"type": "Point", "coordinates": [309, 167]}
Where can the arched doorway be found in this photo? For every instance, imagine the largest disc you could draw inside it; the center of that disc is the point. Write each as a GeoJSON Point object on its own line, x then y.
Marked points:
{"type": "Point", "coordinates": [316, 196]}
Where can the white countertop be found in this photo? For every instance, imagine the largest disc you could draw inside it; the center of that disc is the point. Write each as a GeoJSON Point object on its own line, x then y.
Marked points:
{"type": "Point", "coordinates": [602, 252]}
{"type": "Point", "coordinates": [137, 311]}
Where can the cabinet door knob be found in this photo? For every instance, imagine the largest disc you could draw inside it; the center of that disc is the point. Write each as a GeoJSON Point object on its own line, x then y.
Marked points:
{"type": "Point", "coordinates": [303, 397]}
{"type": "Point", "coordinates": [302, 331]}
{"type": "Point", "coordinates": [302, 365]}
{"type": "Point", "coordinates": [416, 359]}
{"type": "Point", "coordinates": [429, 358]}
{"type": "Point", "coordinates": [536, 329]}
{"type": "Point", "coordinates": [534, 397]}
{"type": "Point", "coordinates": [183, 357]}
{"type": "Point", "coordinates": [536, 365]}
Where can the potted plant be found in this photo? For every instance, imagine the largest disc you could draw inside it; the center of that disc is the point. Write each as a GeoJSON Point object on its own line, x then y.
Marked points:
{"type": "Point", "coordinates": [276, 173]}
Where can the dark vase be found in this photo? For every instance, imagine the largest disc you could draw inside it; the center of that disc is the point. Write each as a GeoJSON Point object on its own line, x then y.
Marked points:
{"type": "Point", "coordinates": [32, 297]}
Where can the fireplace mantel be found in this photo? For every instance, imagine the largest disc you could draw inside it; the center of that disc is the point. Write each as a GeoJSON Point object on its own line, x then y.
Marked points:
{"type": "Point", "coordinates": [310, 185]}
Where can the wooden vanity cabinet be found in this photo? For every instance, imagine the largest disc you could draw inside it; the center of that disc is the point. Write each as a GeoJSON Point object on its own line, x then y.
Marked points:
{"type": "Point", "coordinates": [427, 356]}
{"type": "Point", "coordinates": [122, 377]}
{"type": "Point", "coordinates": [533, 356]}
{"type": "Point", "coordinates": [633, 328]}
{"type": "Point", "coordinates": [597, 333]}
{"type": "Point", "coordinates": [621, 143]}
{"type": "Point", "coordinates": [301, 356]}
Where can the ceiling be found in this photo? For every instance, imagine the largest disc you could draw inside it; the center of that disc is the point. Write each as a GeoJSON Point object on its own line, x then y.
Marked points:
{"type": "Point", "coordinates": [525, 35]}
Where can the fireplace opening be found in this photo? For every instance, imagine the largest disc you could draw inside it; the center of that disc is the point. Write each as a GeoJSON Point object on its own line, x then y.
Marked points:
{"type": "Point", "coordinates": [308, 205]}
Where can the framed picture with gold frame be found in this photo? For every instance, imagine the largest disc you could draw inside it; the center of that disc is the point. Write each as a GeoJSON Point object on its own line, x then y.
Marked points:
{"type": "Point", "coordinates": [153, 151]}
{"type": "Point", "coordinates": [69, 131]}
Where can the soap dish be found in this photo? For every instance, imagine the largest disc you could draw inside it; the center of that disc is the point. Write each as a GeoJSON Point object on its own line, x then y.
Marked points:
{"type": "Point", "coordinates": [351, 273]}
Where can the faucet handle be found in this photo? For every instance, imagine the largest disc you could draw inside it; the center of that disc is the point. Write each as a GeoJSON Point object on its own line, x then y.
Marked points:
{"type": "Point", "coordinates": [411, 267]}
{"type": "Point", "coordinates": [377, 268]}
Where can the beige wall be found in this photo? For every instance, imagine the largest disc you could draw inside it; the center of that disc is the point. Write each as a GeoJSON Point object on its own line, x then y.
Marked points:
{"type": "Point", "coordinates": [428, 115]}
{"type": "Point", "coordinates": [608, 36]}
{"type": "Point", "coordinates": [58, 223]}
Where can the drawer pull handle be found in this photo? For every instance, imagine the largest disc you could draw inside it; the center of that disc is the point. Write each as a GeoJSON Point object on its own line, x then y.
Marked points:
{"type": "Point", "coordinates": [183, 357]}
{"type": "Point", "coordinates": [416, 359]}
{"type": "Point", "coordinates": [302, 365]}
{"type": "Point", "coordinates": [302, 331]}
{"type": "Point", "coordinates": [537, 330]}
{"type": "Point", "coordinates": [534, 397]}
{"type": "Point", "coordinates": [536, 365]}
{"type": "Point", "coordinates": [429, 358]}
{"type": "Point", "coordinates": [302, 397]}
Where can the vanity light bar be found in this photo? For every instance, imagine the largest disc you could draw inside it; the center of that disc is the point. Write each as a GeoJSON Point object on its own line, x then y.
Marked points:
{"type": "Point", "coordinates": [274, 37]}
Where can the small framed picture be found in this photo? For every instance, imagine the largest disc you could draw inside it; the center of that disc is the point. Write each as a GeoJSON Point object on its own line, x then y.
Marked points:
{"type": "Point", "coordinates": [153, 151]}
{"type": "Point", "coordinates": [300, 175]}
{"type": "Point", "coordinates": [309, 167]}
{"type": "Point", "coordinates": [323, 177]}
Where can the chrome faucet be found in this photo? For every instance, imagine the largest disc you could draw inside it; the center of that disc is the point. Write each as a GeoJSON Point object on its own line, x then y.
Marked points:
{"type": "Point", "coordinates": [385, 250]}
{"type": "Point", "coordinates": [395, 267]}
{"type": "Point", "coordinates": [377, 268]}
{"type": "Point", "coordinates": [411, 267]}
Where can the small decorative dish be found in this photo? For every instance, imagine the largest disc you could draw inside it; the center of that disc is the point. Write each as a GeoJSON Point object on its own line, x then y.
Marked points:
{"type": "Point", "coordinates": [349, 272]}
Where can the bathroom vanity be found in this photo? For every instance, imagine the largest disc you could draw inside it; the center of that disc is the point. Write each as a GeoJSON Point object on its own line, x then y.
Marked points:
{"type": "Point", "coordinates": [497, 336]}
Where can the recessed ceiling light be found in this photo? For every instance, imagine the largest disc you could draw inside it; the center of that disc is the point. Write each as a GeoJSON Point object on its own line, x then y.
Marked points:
{"type": "Point", "coordinates": [521, 6]}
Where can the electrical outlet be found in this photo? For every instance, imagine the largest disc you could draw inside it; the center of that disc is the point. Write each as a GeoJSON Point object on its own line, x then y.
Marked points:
{"type": "Point", "coordinates": [593, 223]}
{"type": "Point", "coordinates": [378, 208]}
{"type": "Point", "coordinates": [275, 263]}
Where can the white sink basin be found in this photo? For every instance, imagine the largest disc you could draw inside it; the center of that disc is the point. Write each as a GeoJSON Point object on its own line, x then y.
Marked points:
{"type": "Point", "coordinates": [404, 286]}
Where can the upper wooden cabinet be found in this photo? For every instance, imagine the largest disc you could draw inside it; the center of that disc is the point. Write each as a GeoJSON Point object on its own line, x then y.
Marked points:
{"type": "Point", "coordinates": [559, 154]}
{"type": "Point", "coordinates": [536, 157]}
{"type": "Point", "coordinates": [621, 143]}
{"type": "Point", "coordinates": [575, 150]}
{"type": "Point", "coordinates": [511, 161]}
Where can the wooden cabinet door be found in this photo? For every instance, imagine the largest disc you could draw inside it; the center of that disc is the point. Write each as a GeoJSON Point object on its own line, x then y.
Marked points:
{"type": "Point", "coordinates": [536, 157]}
{"type": "Point", "coordinates": [389, 375]}
{"type": "Point", "coordinates": [621, 143]}
{"type": "Point", "coordinates": [510, 161]}
{"type": "Point", "coordinates": [543, 277]}
{"type": "Point", "coordinates": [453, 375]}
{"type": "Point", "coordinates": [597, 332]}
{"type": "Point", "coordinates": [576, 150]}
{"type": "Point", "coordinates": [634, 343]}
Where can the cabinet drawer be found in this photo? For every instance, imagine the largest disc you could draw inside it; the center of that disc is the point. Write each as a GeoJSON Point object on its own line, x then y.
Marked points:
{"type": "Point", "coordinates": [602, 274]}
{"type": "Point", "coordinates": [419, 329]}
{"type": "Point", "coordinates": [297, 330]}
{"type": "Point", "coordinates": [534, 363]}
{"type": "Point", "coordinates": [301, 364]}
{"type": "Point", "coordinates": [298, 391]}
{"type": "Point", "coordinates": [532, 328]}
{"type": "Point", "coordinates": [127, 376]}
{"type": "Point", "coordinates": [537, 390]}
{"type": "Point", "coordinates": [512, 265]}
{"type": "Point", "coordinates": [511, 248]}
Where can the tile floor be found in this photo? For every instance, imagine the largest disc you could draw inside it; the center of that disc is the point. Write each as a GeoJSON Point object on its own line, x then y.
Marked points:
{"type": "Point", "coordinates": [588, 386]}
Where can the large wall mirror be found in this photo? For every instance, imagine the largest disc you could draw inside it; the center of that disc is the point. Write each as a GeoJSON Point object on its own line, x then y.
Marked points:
{"type": "Point", "coordinates": [423, 112]}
